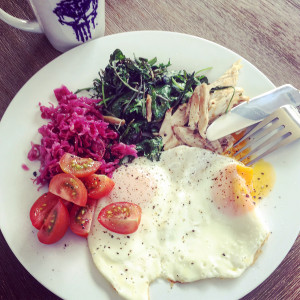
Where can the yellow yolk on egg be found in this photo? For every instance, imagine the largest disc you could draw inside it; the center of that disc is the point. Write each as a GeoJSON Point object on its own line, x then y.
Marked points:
{"type": "Point", "coordinates": [238, 188]}
{"type": "Point", "coordinates": [263, 180]}
{"type": "Point", "coordinates": [259, 178]}
{"type": "Point", "coordinates": [246, 173]}
{"type": "Point", "coordinates": [232, 191]}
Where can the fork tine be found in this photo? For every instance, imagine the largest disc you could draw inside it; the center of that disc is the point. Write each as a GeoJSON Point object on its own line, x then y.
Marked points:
{"type": "Point", "coordinates": [258, 132]}
{"type": "Point", "coordinates": [282, 143]}
{"type": "Point", "coordinates": [274, 137]}
{"type": "Point", "coordinates": [275, 141]}
{"type": "Point", "coordinates": [265, 130]}
{"type": "Point", "coordinates": [279, 129]}
{"type": "Point", "coordinates": [258, 128]}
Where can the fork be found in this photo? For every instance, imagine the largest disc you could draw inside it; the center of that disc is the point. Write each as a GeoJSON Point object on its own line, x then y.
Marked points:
{"type": "Point", "coordinates": [277, 130]}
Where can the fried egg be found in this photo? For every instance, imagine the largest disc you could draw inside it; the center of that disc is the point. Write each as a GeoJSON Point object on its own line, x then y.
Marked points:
{"type": "Point", "coordinates": [199, 220]}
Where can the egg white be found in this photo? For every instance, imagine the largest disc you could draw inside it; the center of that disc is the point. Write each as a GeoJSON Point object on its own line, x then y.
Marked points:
{"type": "Point", "coordinates": [183, 236]}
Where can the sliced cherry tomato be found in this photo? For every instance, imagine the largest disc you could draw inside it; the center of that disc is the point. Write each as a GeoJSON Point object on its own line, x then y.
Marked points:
{"type": "Point", "coordinates": [67, 204]}
{"type": "Point", "coordinates": [41, 208]}
{"type": "Point", "coordinates": [78, 166]}
{"type": "Point", "coordinates": [69, 187]}
{"type": "Point", "coordinates": [55, 226]}
{"type": "Point", "coordinates": [98, 185]}
{"type": "Point", "coordinates": [121, 217]}
{"type": "Point", "coordinates": [81, 218]}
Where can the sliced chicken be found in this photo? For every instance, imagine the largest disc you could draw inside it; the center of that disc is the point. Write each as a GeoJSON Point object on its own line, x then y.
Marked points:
{"type": "Point", "coordinates": [189, 136]}
{"type": "Point", "coordinates": [203, 109]}
{"type": "Point", "coordinates": [149, 108]}
{"type": "Point", "coordinates": [194, 106]}
{"type": "Point", "coordinates": [179, 118]}
{"type": "Point", "coordinates": [114, 120]}
{"type": "Point", "coordinates": [222, 145]}
{"type": "Point", "coordinates": [189, 123]}
{"type": "Point", "coordinates": [230, 77]}
{"type": "Point", "coordinates": [223, 100]}
{"type": "Point", "coordinates": [172, 143]}
{"type": "Point", "coordinates": [192, 138]}
{"type": "Point", "coordinates": [227, 142]}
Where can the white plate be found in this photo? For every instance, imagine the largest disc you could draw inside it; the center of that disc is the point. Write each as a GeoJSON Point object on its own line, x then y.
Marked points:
{"type": "Point", "coordinates": [66, 268]}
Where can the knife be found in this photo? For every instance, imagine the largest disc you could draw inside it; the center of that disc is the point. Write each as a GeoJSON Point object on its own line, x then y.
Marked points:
{"type": "Point", "coordinates": [249, 113]}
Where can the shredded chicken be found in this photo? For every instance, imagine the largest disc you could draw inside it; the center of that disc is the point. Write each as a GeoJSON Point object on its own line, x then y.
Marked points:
{"type": "Point", "coordinates": [189, 136]}
{"type": "Point", "coordinates": [197, 109]}
{"type": "Point", "coordinates": [222, 145]}
{"type": "Point", "coordinates": [222, 100]}
{"type": "Point", "coordinates": [149, 108]}
{"type": "Point", "coordinates": [203, 109]}
{"type": "Point", "coordinates": [193, 108]}
{"type": "Point", "coordinates": [179, 118]}
{"type": "Point", "coordinates": [189, 122]}
{"type": "Point", "coordinates": [230, 77]}
{"type": "Point", "coordinates": [192, 138]}
{"type": "Point", "coordinates": [225, 99]}
{"type": "Point", "coordinates": [114, 120]}
{"type": "Point", "coordinates": [172, 143]}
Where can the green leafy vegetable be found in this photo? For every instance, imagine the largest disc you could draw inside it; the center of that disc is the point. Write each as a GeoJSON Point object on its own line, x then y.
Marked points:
{"type": "Point", "coordinates": [123, 87]}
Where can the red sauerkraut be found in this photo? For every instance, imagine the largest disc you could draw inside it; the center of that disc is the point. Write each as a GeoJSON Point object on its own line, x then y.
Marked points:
{"type": "Point", "coordinates": [76, 126]}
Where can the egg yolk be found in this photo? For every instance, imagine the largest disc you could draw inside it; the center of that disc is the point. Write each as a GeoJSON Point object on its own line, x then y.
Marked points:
{"type": "Point", "coordinates": [246, 173]}
{"type": "Point", "coordinates": [260, 178]}
{"type": "Point", "coordinates": [263, 180]}
{"type": "Point", "coordinates": [238, 188]}
{"type": "Point", "coordinates": [232, 191]}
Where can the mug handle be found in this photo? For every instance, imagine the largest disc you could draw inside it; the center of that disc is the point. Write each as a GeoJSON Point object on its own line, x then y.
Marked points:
{"type": "Point", "coordinates": [31, 26]}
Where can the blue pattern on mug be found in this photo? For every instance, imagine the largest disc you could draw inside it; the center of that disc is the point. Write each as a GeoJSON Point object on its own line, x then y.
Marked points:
{"type": "Point", "coordinates": [79, 14]}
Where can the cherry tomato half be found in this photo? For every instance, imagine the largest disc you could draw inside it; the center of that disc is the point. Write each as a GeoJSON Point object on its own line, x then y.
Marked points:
{"type": "Point", "coordinates": [78, 166]}
{"type": "Point", "coordinates": [98, 186]}
{"type": "Point", "coordinates": [55, 226]}
{"type": "Point", "coordinates": [69, 188]}
{"type": "Point", "coordinates": [81, 218]}
{"type": "Point", "coordinates": [121, 217]}
{"type": "Point", "coordinates": [67, 204]}
{"type": "Point", "coordinates": [41, 208]}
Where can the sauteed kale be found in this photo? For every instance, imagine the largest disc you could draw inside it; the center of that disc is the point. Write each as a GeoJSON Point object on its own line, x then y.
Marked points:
{"type": "Point", "coordinates": [124, 86]}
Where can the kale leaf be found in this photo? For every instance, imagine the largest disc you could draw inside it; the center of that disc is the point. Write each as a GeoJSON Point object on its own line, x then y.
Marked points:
{"type": "Point", "coordinates": [124, 86]}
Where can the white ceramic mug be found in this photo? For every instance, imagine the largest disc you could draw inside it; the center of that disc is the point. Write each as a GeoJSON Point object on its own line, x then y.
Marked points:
{"type": "Point", "coordinates": [66, 23]}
